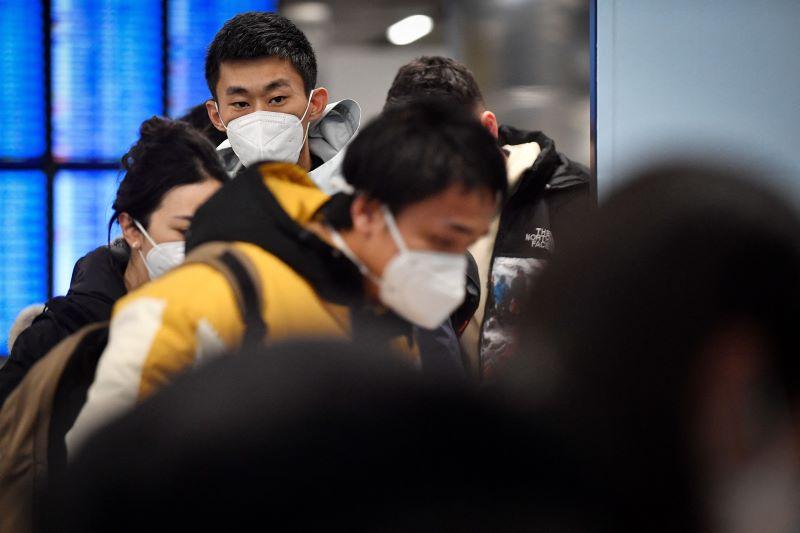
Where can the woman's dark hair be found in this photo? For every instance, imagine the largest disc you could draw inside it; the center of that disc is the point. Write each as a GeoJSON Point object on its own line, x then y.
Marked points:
{"type": "Point", "coordinates": [168, 153]}
{"type": "Point", "coordinates": [415, 151]}
{"type": "Point", "coordinates": [197, 117]}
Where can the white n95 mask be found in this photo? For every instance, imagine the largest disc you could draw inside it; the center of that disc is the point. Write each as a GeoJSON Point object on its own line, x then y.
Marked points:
{"type": "Point", "coordinates": [267, 136]}
{"type": "Point", "coordinates": [161, 257]}
{"type": "Point", "coordinates": [421, 286]}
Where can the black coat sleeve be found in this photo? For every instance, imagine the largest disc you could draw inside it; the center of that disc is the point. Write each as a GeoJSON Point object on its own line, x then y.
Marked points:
{"type": "Point", "coordinates": [570, 215]}
{"type": "Point", "coordinates": [31, 345]}
{"type": "Point", "coordinates": [440, 352]}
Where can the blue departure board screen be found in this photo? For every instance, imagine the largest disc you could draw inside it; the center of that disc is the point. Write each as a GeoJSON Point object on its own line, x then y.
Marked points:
{"type": "Point", "coordinates": [23, 244]}
{"type": "Point", "coordinates": [82, 206]}
{"type": "Point", "coordinates": [192, 26]}
{"type": "Point", "coordinates": [22, 88]}
{"type": "Point", "coordinates": [107, 75]}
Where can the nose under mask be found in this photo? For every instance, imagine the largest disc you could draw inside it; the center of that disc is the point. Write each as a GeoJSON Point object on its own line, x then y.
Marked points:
{"type": "Point", "coordinates": [267, 136]}
{"type": "Point", "coordinates": [162, 257]}
{"type": "Point", "coordinates": [424, 287]}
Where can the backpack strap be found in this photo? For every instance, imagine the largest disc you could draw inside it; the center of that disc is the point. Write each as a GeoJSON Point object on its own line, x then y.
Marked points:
{"type": "Point", "coordinates": [25, 426]}
{"type": "Point", "coordinates": [71, 390]}
{"type": "Point", "coordinates": [241, 275]}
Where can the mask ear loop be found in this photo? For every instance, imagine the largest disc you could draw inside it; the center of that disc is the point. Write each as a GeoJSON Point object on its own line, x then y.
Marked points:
{"type": "Point", "coordinates": [338, 241]}
{"type": "Point", "coordinates": [308, 106]}
{"type": "Point", "coordinates": [144, 232]}
{"type": "Point", "coordinates": [146, 236]}
{"type": "Point", "coordinates": [393, 230]}
{"type": "Point", "coordinates": [216, 105]}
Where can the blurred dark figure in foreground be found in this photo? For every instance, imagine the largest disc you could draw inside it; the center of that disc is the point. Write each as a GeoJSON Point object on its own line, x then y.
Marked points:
{"type": "Point", "coordinates": [326, 436]}
{"type": "Point", "coordinates": [672, 343]}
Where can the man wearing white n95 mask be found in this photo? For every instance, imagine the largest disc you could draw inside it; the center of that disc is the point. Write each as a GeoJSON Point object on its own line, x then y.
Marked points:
{"type": "Point", "coordinates": [262, 73]}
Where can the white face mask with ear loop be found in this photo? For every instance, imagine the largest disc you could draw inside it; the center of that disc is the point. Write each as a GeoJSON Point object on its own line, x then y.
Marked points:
{"type": "Point", "coordinates": [424, 287]}
{"type": "Point", "coordinates": [161, 257]}
{"type": "Point", "coordinates": [267, 135]}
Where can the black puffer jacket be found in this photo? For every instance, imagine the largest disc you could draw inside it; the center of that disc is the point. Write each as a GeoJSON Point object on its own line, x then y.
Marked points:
{"type": "Point", "coordinates": [97, 283]}
{"type": "Point", "coordinates": [546, 206]}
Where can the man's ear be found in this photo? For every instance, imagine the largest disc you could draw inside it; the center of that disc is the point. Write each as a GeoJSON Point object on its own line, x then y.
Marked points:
{"type": "Point", "coordinates": [364, 214]}
{"type": "Point", "coordinates": [213, 115]}
{"type": "Point", "coordinates": [489, 121]}
{"type": "Point", "coordinates": [130, 232]}
{"type": "Point", "coordinates": [319, 101]}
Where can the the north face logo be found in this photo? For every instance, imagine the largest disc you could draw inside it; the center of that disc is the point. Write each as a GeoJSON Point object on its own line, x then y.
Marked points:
{"type": "Point", "coordinates": [543, 238]}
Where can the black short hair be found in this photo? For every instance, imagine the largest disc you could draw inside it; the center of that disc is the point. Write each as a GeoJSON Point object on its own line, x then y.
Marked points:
{"type": "Point", "coordinates": [434, 77]}
{"type": "Point", "coordinates": [197, 117]}
{"type": "Point", "coordinates": [258, 34]}
{"type": "Point", "coordinates": [412, 152]}
{"type": "Point", "coordinates": [168, 153]}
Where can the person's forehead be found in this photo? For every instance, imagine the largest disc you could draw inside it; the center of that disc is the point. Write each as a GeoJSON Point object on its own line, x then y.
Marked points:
{"type": "Point", "coordinates": [455, 207]}
{"type": "Point", "coordinates": [458, 199]}
{"type": "Point", "coordinates": [186, 196]}
{"type": "Point", "coordinates": [254, 74]}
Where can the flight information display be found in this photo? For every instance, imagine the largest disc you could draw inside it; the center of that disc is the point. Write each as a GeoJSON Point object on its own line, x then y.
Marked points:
{"type": "Point", "coordinates": [23, 244]}
{"type": "Point", "coordinates": [82, 206]}
{"type": "Point", "coordinates": [107, 75]}
{"type": "Point", "coordinates": [192, 25]}
{"type": "Point", "coordinates": [107, 67]}
{"type": "Point", "coordinates": [22, 88]}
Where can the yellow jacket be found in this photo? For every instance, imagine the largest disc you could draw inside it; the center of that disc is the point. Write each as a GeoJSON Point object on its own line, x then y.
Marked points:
{"type": "Point", "coordinates": [190, 314]}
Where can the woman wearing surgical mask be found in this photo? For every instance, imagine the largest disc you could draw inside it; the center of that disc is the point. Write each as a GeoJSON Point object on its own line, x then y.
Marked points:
{"type": "Point", "coordinates": [170, 171]}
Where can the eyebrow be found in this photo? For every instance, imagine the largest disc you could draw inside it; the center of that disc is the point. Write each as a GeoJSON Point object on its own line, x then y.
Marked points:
{"type": "Point", "coordinates": [271, 86]}
{"type": "Point", "coordinates": [277, 84]}
{"type": "Point", "coordinates": [184, 217]}
{"type": "Point", "coordinates": [466, 230]}
{"type": "Point", "coordinates": [236, 90]}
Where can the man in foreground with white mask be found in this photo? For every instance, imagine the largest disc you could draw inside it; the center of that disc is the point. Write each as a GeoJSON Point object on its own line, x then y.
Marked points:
{"type": "Point", "coordinates": [425, 183]}
{"type": "Point", "coordinates": [262, 74]}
